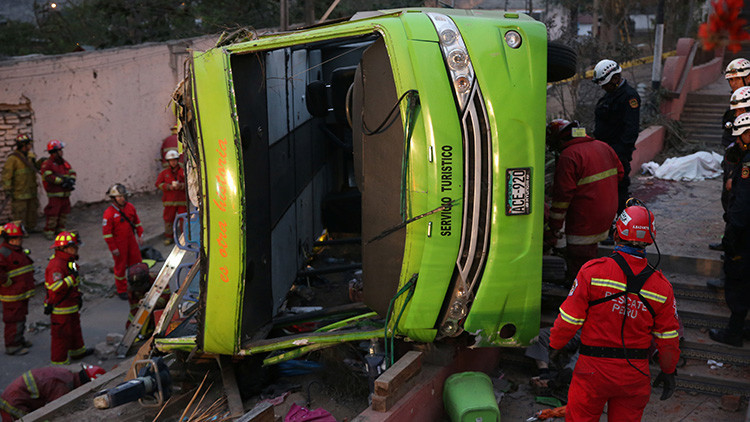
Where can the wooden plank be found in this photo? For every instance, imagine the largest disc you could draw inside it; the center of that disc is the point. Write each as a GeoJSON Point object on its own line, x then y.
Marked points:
{"type": "Point", "coordinates": [236, 409]}
{"type": "Point", "coordinates": [398, 374]}
{"type": "Point", "coordinates": [263, 412]}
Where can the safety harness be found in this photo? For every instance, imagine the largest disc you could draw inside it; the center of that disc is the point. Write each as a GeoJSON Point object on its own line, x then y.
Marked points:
{"type": "Point", "coordinates": [634, 284]}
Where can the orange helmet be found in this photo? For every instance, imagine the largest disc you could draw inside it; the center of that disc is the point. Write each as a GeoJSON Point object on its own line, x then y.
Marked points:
{"type": "Point", "coordinates": [13, 230]}
{"type": "Point", "coordinates": [55, 145]}
{"type": "Point", "coordinates": [636, 224]}
{"type": "Point", "coordinates": [93, 371]}
{"type": "Point", "coordinates": [65, 239]}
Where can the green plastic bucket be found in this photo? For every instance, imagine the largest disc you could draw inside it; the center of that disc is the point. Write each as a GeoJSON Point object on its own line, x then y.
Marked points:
{"type": "Point", "coordinates": [469, 397]}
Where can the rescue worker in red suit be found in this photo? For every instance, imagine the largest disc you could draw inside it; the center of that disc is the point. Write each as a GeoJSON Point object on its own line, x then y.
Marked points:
{"type": "Point", "coordinates": [171, 182]}
{"type": "Point", "coordinates": [613, 366]}
{"type": "Point", "coordinates": [64, 300]}
{"type": "Point", "coordinates": [58, 178]}
{"type": "Point", "coordinates": [37, 387]}
{"type": "Point", "coordinates": [16, 287]}
{"type": "Point", "coordinates": [122, 231]}
{"type": "Point", "coordinates": [584, 194]}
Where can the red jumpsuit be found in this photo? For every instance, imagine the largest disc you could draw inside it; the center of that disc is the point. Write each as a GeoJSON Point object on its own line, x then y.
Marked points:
{"type": "Point", "coordinates": [600, 380]}
{"type": "Point", "coordinates": [174, 200]}
{"type": "Point", "coordinates": [584, 196]}
{"type": "Point", "coordinates": [62, 292]}
{"type": "Point", "coordinates": [34, 389]}
{"type": "Point", "coordinates": [16, 287]}
{"type": "Point", "coordinates": [120, 236]}
{"type": "Point", "coordinates": [54, 170]}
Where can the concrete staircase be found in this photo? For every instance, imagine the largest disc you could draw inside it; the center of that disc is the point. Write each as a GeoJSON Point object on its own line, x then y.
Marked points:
{"type": "Point", "coordinates": [701, 118]}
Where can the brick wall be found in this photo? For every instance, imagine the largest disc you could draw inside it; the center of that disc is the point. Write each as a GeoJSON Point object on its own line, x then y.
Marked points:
{"type": "Point", "coordinates": [14, 120]}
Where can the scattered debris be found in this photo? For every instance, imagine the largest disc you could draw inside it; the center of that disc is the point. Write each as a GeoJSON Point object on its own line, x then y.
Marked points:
{"type": "Point", "coordinates": [714, 364]}
{"type": "Point", "coordinates": [114, 338]}
{"type": "Point", "coordinates": [301, 414]}
{"type": "Point", "coordinates": [104, 350]}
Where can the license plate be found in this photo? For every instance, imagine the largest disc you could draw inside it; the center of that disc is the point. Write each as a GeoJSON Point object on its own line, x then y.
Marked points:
{"type": "Point", "coordinates": [518, 191]}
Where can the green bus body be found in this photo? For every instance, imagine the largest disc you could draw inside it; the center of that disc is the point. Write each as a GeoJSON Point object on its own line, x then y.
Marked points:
{"type": "Point", "coordinates": [498, 234]}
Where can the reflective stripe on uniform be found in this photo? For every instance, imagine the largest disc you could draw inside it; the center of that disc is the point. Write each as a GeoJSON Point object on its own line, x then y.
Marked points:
{"type": "Point", "coordinates": [585, 240]}
{"type": "Point", "coordinates": [16, 413]}
{"type": "Point", "coordinates": [31, 387]}
{"type": "Point", "coordinates": [66, 310]}
{"type": "Point", "coordinates": [666, 334]}
{"type": "Point", "coordinates": [78, 352]}
{"type": "Point", "coordinates": [54, 286]}
{"type": "Point", "coordinates": [561, 205]}
{"type": "Point", "coordinates": [65, 362]}
{"type": "Point", "coordinates": [58, 194]}
{"type": "Point", "coordinates": [570, 319]}
{"type": "Point", "coordinates": [16, 298]}
{"type": "Point", "coordinates": [597, 177]}
{"type": "Point", "coordinates": [21, 270]}
{"type": "Point", "coordinates": [653, 296]}
{"type": "Point", "coordinates": [175, 204]}
{"type": "Point", "coordinates": [70, 281]}
{"type": "Point", "coordinates": [603, 282]}
{"type": "Point", "coordinates": [107, 236]}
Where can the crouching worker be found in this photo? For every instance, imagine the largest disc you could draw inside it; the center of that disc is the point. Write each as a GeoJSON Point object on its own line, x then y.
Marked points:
{"type": "Point", "coordinates": [139, 283]}
{"type": "Point", "coordinates": [37, 387]}
{"type": "Point", "coordinates": [64, 300]}
{"type": "Point", "coordinates": [620, 303]}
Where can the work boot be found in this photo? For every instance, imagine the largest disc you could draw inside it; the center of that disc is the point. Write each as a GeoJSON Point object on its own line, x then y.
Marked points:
{"type": "Point", "coordinates": [168, 241]}
{"type": "Point", "coordinates": [716, 246]}
{"type": "Point", "coordinates": [715, 284]}
{"type": "Point", "coordinates": [123, 296]}
{"type": "Point", "coordinates": [87, 352]}
{"type": "Point", "coordinates": [16, 351]}
{"type": "Point", "coordinates": [27, 343]}
{"type": "Point", "coordinates": [722, 335]}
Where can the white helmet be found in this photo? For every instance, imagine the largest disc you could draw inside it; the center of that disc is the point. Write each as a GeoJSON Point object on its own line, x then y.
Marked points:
{"type": "Point", "coordinates": [172, 154]}
{"type": "Point", "coordinates": [740, 98]}
{"type": "Point", "coordinates": [741, 124]}
{"type": "Point", "coordinates": [737, 68]}
{"type": "Point", "coordinates": [117, 190]}
{"type": "Point", "coordinates": [604, 70]}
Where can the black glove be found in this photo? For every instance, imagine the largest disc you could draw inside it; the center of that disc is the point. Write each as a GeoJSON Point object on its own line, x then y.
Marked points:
{"type": "Point", "coordinates": [555, 359]}
{"type": "Point", "coordinates": [68, 183]}
{"type": "Point", "coordinates": [668, 383]}
{"type": "Point", "coordinates": [48, 308]}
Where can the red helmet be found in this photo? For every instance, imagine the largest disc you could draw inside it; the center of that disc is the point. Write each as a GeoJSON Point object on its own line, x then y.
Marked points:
{"type": "Point", "coordinates": [93, 371]}
{"type": "Point", "coordinates": [13, 230]}
{"type": "Point", "coordinates": [636, 224]}
{"type": "Point", "coordinates": [65, 239]}
{"type": "Point", "coordinates": [55, 145]}
{"type": "Point", "coordinates": [560, 130]}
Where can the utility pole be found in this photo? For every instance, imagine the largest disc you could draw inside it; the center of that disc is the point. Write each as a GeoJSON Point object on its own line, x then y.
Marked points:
{"type": "Point", "coordinates": [658, 47]}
